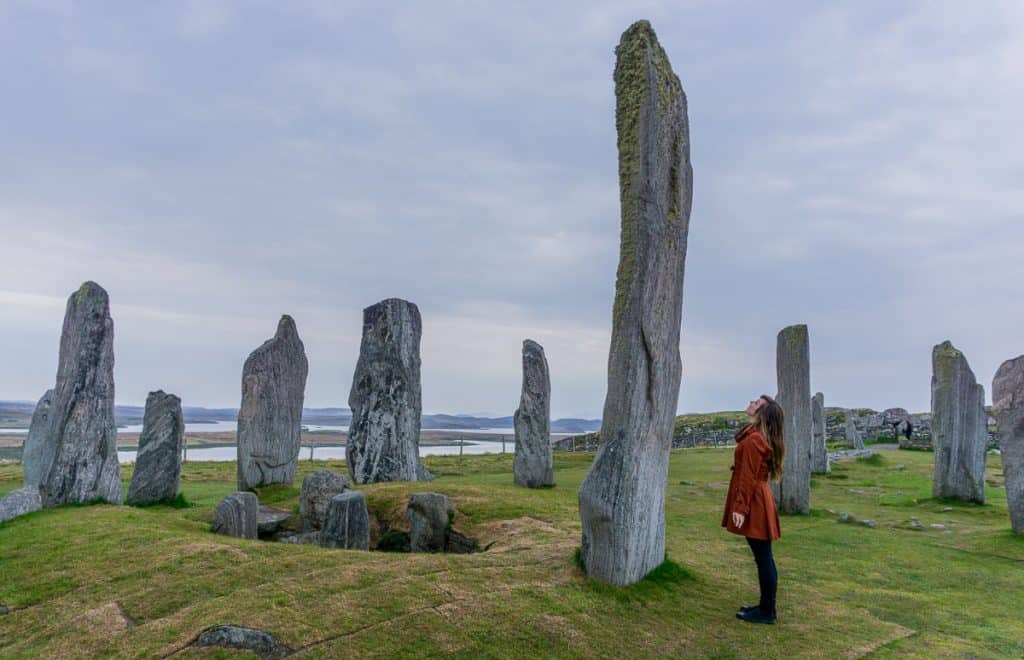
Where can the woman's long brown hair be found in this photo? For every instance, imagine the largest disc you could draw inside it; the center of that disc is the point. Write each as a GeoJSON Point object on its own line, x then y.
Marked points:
{"type": "Point", "coordinates": [771, 420]}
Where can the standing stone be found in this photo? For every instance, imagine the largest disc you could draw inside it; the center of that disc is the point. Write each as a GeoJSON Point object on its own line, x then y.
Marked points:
{"type": "Point", "coordinates": [347, 523]}
{"type": "Point", "coordinates": [793, 368]}
{"type": "Point", "coordinates": [959, 427]}
{"type": "Point", "coordinates": [1008, 408]}
{"type": "Point", "coordinates": [236, 516]}
{"type": "Point", "coordinates": [430, 518]}
{"type": "Point", "coordinates": [19, 502]}
{"type": "Point", "coordinates": [71, 450]}
{"type": "Point", "coordinates": [532, 464]}
{"type": "Point", "coordinates": [384, 435]}
{"type": "Point", "coordinates": [819, 455]}
{"type": "Point", "coordinates": [314, 498]}
{"type": "Point", "coordinates": [853, 436]}
{"type": "Point", "coordinates": [622, 498]}
{"type": "Point", "coordinates": [158, 462]}
{"type": "Point", "coordinates": [270, 419]}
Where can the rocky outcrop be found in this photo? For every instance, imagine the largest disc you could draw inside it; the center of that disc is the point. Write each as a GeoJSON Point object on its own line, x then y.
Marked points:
{"type": "Point", "coordinates": [71, 449]}
{"type": "Point", "coordinates": [347, 523]}
{"type": "Point", "coordinates": [314, 498]}
{"type": "Point", "coordinates": [158, 462]}
{"type": "Point", "coordinates": [430, 517]}
{"type": "Point", "coordinates": [819, 451]}
{"type": "Point", "coordinates": [793, 367]}
{"type": "Point", "coordinates": [384, 435]}
{"type": "Point", "coordinates": [236, 516]}
{"type": "Point", "coordinates": [19, 502]}
{"type": "Point", "coordinates": [270, 419]}
{"type": "Point", "coordinates": [622, 498]}
{"type": "Point", "coordinates": [531, 466]}
{"type": "Point", "coordinates": [959, 427]}
{"type": "Point", "coordinates": [1008, 409]}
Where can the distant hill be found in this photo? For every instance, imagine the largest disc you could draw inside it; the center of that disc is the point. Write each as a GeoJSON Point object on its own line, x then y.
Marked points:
{"type": "Point", "coordinates": [18, 414]}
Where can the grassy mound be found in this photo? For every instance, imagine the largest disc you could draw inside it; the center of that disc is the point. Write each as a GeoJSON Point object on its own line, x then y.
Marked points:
{"type": "Point", "coordinates": [107, 580]}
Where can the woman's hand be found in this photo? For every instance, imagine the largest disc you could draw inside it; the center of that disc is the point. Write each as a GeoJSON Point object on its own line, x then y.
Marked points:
{"type": "Point", "coordinates": [738, 519]}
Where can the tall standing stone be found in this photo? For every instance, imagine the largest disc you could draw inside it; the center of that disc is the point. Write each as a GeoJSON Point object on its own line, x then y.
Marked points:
{"type": "Point", "coordinates": [71, 449]}
{"type": "Point", "coordinates": [1008, 409]}
{"type": "Point", "coordinates": [959, 427]}
{"type": "Point", "coordinates": [853, 436]}
{"type": "Point", "coordinates": [819, 452]}
{"type": "Point", "coordinates": [622, 498]}
{"type": "Point", "coordinates": [270, 418]}
{"type": "Point", "coordinates": [532, 464]}
{"type": "Point", "coordinates": [793, 368]}
{"type": "Point", "coordinates": [158, 462]}
{"type": "Point", "coordinates": [384, 435]}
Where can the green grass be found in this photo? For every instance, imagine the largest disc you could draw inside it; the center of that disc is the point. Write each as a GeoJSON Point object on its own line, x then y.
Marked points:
{"type": "Point", "coordinates": [846, 590]}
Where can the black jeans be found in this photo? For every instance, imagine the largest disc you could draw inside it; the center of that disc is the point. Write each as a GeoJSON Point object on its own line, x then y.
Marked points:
{"type": "Point", "coordinates": [767, 576]}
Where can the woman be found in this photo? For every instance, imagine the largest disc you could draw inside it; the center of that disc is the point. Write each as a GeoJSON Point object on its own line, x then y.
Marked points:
{"type": "Point", "coordinates": [750, 506]}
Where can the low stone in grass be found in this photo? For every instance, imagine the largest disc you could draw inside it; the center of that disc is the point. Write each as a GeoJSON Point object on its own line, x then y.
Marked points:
{"type": "Point", "coordinates": [347, 523]}
{"type": "Point", "coordinates": [317, 490]}
{"type": "Point", "coordinates": [430, 517]}
{"type": "Point", "coordinates": [259, 642]}
{"type": "Point", "coordinates": [19, 502]}
{"type": "Point", "coordinates": [236, 516]}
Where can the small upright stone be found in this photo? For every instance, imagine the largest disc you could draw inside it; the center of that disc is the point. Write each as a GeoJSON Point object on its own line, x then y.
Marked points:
{"type": "Point", "coordinates": [959, 427]}
{"type": "Point", "coordinates": [236, 516]}
{"type": "Point", "coordinates": [622, 498]}
{"type": "Point", "coordinates": [819, 457]}
{"type": "Point", "coordinates": [1008, 409]}
{"type": "Point", "coordinates": [430, 517]}
{"type": "Point", "coordinates": [347, 523]}
{"type": "Point", "coordinates": [793, 365]}
{"type": "Point", "coordinates": [270, 418]}
{"type": "Point", "coordinates": [19, 502]}
{"type": "Point", "coordinates": [532, 463]}
{"type": "Point", "coordinates": [384, 435]}
{"type": "Point", "coordinates": [853, 436]}
{"type": "Point", "coordinates": [314, 498]}
{"type": "Point", "coordinates": [158, 462]}
{"type": "Point", "coordinates": [71, 449]}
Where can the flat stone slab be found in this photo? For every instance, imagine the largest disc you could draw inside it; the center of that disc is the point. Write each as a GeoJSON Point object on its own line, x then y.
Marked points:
{"type": "Point", "coordinates": [269, 520]}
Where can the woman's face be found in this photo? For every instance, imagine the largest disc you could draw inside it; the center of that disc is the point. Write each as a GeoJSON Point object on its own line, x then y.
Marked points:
{"type": "Point", "coordinates": [754, 406]}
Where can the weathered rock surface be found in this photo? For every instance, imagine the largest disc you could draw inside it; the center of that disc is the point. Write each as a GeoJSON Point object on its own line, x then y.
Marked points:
{"type": "Point", "coordinates": [269, 520]}
{"type": "Point", "coordinates": [19, 502]}
{"type": "Point", "coordinates": [959, 427]}
{"type": "Point", "coordinates": [793, 368]}
{"type": "Point", "coordinates": [71, 449]}
{"type": "Point", "coordinates": [531, 466]}
{"type": "Point", "coordinates": [819, 453]}
{"type": "Point", "coordinates": [314, 498]}
{"type": "Point", "coordinates": [236, 515]}
{"type": "Point", "coordinates": [384, 435]}
{"type": "Point", "coordinates": [622, 498]}
{"type": "Point", "coordinates": [263, 644]}
{"type": "Point", "coordinates": [1008, 409]}
{"type": "Point", "coordinates": [158, 463]}
{"type": "Point", "coordinates": [853, 436]}
{"type": "Point", "coordinates": [347, 524]}
{"type": "Point", "coordinates": [270, 418]}
{"type": "Point", "coordinates": [430, 517]}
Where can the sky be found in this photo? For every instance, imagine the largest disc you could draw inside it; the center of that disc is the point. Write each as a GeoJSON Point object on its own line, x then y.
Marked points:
{"type": "Point", "coordinates": [214, 164]}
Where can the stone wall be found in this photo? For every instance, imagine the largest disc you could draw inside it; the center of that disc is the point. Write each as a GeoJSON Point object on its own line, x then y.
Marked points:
{"type": "Point", "coordinates": [874, 426]}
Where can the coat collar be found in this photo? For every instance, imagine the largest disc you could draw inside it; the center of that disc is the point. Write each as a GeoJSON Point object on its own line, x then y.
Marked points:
{"type": "Point", "coordinates": [745, 432]}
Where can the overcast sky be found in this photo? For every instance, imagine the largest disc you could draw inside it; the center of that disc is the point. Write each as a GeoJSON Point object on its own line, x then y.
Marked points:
{"type": "Point", "coordinates": [213, 165]}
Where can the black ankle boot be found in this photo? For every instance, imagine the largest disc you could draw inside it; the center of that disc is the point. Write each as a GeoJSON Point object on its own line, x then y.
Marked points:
{"type": "Point", "coordinates": [747, 608]}
{"type": "Point", "coordinates": [756, 616]}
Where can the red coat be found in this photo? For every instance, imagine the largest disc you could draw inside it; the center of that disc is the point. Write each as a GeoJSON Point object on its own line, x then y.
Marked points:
{"type": "Point", "coordinates": [749, 492]}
